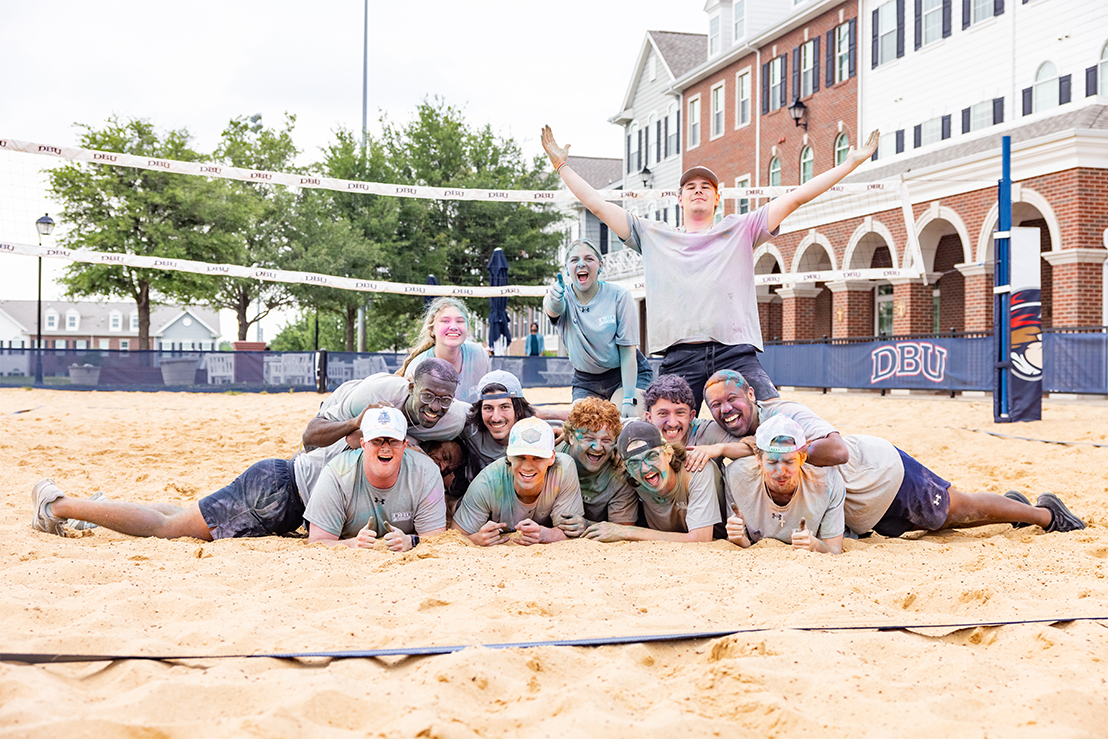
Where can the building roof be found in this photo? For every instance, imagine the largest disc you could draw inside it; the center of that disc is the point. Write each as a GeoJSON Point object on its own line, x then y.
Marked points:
{"type": "Point", "coordinates": [95, 317]}
{"type": "Point", "coordinates": [597, 171]}
{"type": "Point", "coordinates": [1085, 118]}
{"type": "Point", "coordinates": [680, 51]}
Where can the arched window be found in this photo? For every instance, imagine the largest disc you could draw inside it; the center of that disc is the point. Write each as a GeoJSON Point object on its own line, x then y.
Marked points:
{"type": "Point", "coordinates": [806, 158]}
{"type": "Point", "coordinates": [1046, 87]}
{"type": "Point", "coordinates": [1102, 79]}
{"type": "Point", "coordinates": [842, 146]}
{"type": "Point", "coordinates": [774, 172]}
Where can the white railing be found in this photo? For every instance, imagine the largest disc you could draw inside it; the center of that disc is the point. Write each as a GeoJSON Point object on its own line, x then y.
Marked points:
{"type": "Point", "coordinates": [622, 263]}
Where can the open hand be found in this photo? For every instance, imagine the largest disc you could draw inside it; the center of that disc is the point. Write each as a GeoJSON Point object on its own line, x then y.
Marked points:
{"type": "Point", "coordinates": [557, 154]}
{"type": "Point", "coordinates": [857, 156]}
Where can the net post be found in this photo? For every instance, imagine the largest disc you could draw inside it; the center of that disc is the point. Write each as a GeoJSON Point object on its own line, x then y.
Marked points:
{"type": "Point", "coordinates": [915, 254]}
{"type": "Point", "coordinates": [1001, 295]}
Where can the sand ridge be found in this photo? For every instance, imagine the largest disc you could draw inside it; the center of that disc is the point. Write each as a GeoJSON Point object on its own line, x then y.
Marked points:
{"type": "Point", "coordinates": [107, 593]}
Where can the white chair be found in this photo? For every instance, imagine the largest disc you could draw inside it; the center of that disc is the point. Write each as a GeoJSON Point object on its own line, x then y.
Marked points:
{"type": "Point", "coordinates": [221, 368]}
{"type": "Point", "coordinates": [297, 369]}
{"type": "Point", "coordinates": [364, 367]}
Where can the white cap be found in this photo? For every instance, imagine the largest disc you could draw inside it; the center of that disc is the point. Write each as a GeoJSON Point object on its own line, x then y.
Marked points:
{"type": "Point", "coordinates": [384, 423]}
{"type": "Point", "coordinates": [531, 436]}
{"type": "Point", "coordinates": [776, 426]}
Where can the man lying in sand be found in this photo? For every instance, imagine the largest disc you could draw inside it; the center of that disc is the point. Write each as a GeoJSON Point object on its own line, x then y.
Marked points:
{"type": "Point", "coordinates": [531, 491]}
{"type": "Point", "coordinates": [887, 491]}
{"type": "Point", "coordinates": [427, 401]}
{"type": "Point", "coordinates": [589, 437]}
{"type": "Point", "coordinates": [678, 504]}
{"type": "Point", "coordinates": [381, 490]}
{"type": "Point", "coordinates": [499, 407]}
{"type": "Point", "coordinates": [669, 404]}
{"type": "Point", "coordinates": [775, 495]}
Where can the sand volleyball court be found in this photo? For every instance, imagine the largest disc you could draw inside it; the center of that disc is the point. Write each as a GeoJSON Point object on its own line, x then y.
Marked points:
{"type": "Point", "coordinates": [106, 593]}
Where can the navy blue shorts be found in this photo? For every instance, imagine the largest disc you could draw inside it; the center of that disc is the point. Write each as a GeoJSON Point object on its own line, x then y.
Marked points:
{"type": "Point", "coordinates": [923, 501]}
{"type": "Point", "coordinates": [260, 502]}
{"type": "Point", "coordinates": [589, 385]}
{"type": "Point", "coordinates": [697, 362]}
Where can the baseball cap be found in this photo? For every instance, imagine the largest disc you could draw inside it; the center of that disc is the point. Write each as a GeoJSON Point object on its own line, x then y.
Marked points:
{"type": "Point", "coordinates": [776, 426]}
{"type": "Point", "coordinates": [638, 437]}
{"type": "Point", "coordinates": [531, 436]}
{"type": "Point", "coordinates": [700, 172]}
{"type": "Point", "coordinates": [384, 423]}
{"type": "Point", "coordinates": [501, 377]}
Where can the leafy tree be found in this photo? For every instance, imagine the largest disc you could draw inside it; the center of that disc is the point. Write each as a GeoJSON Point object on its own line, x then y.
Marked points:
{"type": "Point", "coordinates": [263, 208]}
{"type": "Point", "coordinates": [299, 336]}
{"type": "Point", "coordinates": [134, 211]}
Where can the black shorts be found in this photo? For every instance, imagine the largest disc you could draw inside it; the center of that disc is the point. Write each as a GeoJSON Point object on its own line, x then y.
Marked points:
{"type": "Point", "coordinates": [602, 385]}
{"type": "Point", "coordinates": [923, 501]}
{"type": "Point", "coordinates": [697, 362]}
{"type": "Point", "coordinates": [262, 501]}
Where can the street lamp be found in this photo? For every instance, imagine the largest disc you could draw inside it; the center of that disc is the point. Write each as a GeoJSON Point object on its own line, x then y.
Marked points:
{"type": "Point", "coordinates": [799, 111]}
{"type": "Point", "coordinates": [45, 226]}
{"type": "Point", "coordinates": [646, 176]}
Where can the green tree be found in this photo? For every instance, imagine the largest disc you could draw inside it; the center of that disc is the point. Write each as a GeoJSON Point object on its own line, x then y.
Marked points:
{"type": "Point", "coordinates": [263, 209]}
{"type": "Point", "coordinates": [299, 336]}
{"type": "Point", "coordinates": [135, 211]}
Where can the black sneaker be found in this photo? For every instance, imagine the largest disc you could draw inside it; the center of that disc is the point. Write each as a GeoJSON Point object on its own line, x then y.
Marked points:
{"type": "Point", "coordinates": [1019, 498]}
{"type": "Point", "coordinates": [1061, 517]}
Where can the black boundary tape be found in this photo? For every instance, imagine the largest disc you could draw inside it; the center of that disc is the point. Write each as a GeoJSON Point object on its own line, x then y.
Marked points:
{"type": "Point", "coordinates": [39, 658]}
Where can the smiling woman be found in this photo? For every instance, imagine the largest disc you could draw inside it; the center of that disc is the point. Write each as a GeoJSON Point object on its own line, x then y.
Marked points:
{"type": "Point", "coordinates": [443, 335]}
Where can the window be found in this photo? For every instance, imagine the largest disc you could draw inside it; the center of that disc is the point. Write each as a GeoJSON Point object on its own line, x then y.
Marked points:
{"type": "Point", "coordinates": [634, 142]}
{"type": "Point", "coordinates": [713, 36]}
{"type": "Point", "coordinates": [1045, 93]}
{"type": "Point", "coordinates": [652, 67]}
{"type": "Point", "coordinates": [51, 321]}
{"type": "Point", "coordinates": [71, 321]}
{"type": "Point", "coordinates": [1102, 70]}
{"type": "Point", "coordinates": [775, 172]}
{"type": "Point", "coordinates": [134, 321]}
{"type": "Point", "coordinates": [104, 343]}
{"type": "Point", "coordinates": [807, 68]}
{"type": "Point", "coordinates": [776, 82]}
{"type": "Point", "coordinates": [671, 130]}
{"type": "Point", "coordinates": [694, 122]}
{"type": "Point", "coordinates": [981, 115]}
{"type": "Point", "coordinates": [648, 130]}
{"type": "Point", "coordinates": [982, 10]}
{"type": "Point", "coordinates": [116, 322]}
{"type": "Point", "coordinates": [842, 146]}
{"type": "Point", "coordinates": [843, 51]}
{"type": "Point", "coordinates": [932, 21]}
{"type": "Point", "coordinates": [717, 110]}
{"type": "Point", "coordinates": [886, 30]}
{"type": "Point", "coordinates": [883, 310]}
{"type": "Point", "coordinates": [744, 203]}
{"type": "Point", "coordinates": [806, 164]}
{"type": "Point", "coordinates": [931, 131]}
{"type": "Point", "coordinates": [124, 344]}
{"type": "Point", "coordinates": [81, 344]}
{"type": "Point", "coordinates": [739, 9]}
{"type": "Point", "coordinates": [742, 99]}
{"type": "Point", "coordinates": [60, 343]}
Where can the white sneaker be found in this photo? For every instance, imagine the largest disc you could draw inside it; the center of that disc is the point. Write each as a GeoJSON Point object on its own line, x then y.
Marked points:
{"type": "Point", "coordinates": [44, 493]}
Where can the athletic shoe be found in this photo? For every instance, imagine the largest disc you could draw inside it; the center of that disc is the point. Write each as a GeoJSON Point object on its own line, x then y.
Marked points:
{"type": "Point", "coordinates": [44, 493]}
{"type": "Point", "coordinates": [1019, 498]}
{"type": "Point", "coordinates": [1061, 517]}
{"type": "Point", "coordinates": [86, 525]}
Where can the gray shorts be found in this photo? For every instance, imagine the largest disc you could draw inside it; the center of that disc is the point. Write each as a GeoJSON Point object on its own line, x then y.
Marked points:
{"type": "Point", "coordinates": [262, 501]}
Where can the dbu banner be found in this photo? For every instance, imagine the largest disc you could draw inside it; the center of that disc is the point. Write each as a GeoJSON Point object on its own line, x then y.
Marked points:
{"type": "Point", "coordinates": [908, 359]}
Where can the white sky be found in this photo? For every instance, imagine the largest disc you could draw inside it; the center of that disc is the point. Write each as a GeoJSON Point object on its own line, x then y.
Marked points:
{"type": "Point", "coordinates": [195, 65]}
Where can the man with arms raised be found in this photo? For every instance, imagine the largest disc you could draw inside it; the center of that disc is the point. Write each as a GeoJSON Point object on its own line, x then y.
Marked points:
{"type": "Point", "coordinates": [589, 437]}
{"type": "Point", "coordinates": [678, 505]}
{"type": "Point", "coordinates": [531, 491]}
{"type": "Point", "coordinates": [701, 303]}
{"type": "Point", "coordinates": [887, 491]}
{"type": "Point", "coordinates": [380, 490]}
{"type": "Point", "coordinates": [776, 496]}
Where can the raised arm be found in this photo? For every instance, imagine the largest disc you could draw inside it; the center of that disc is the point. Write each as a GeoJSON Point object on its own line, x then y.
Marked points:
{"type": "Point", "coordinates": [613, 216]}
{"type": "Point", "coordinates": [782, 207]}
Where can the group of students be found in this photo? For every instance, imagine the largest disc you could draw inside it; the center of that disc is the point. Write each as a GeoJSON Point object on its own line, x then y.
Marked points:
{"type": "Point", "coordinates": [447, 442]}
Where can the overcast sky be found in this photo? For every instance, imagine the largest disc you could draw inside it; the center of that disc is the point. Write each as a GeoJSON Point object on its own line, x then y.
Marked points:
{"type": "Point", "coordinates": [515, 65]}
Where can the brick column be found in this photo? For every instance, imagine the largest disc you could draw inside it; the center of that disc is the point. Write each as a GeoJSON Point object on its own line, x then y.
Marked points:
{"type": "Point", "coordinates": [1078, 289]}
{"type": "Point", "coordinates": [978, 295]}
{"type": "Point", "coordinates": [912, 307]}
{"type": "Point", "coordinates": [851, 308]}
{"type": "Point", "coordinates": [798, 311]}
{"type": "Point", "coordinates": [769, 315]}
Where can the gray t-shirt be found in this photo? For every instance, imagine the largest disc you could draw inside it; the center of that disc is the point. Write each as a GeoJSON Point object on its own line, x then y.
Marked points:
{"type": "Point", "coordinates": [700, 286]}
{"type": "Point", "coordinates": [343, 499]}
{"type": "Point", "coordinates": [487, 449]}
{"type": "Point", "coordinates": [811, 424]}
{"type": "Point", "coordinates": [492, 497]}
{"type": "Point", "coordinates": [475, 365]}
{"type": "Point", "coordinates": [694, 503]}
{"type": "Point", "coordinates": [818, 499]}
{"type": "Point", "coordinates": [593, 333]}
{"type": "Point", "coordinates": [388, 388]}
{"type": "Point", "coordinates": [607, 496]}
{"type": "Point", "coordinates": [873, 477]}
{"type": "Point", "coordinates": [707, 431]}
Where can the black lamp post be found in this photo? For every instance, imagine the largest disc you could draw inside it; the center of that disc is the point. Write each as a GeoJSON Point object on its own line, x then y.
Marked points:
{"type": "Point", "coordinates": [45, 226]}
{"type": "Point", "coordinates": [646, 175]}
{"type": "Point", "coordinates": [799, 113]}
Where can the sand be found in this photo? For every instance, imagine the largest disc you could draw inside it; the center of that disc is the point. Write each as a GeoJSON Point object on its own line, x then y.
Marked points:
{"type": "Point", "coordinates": [107, 593]}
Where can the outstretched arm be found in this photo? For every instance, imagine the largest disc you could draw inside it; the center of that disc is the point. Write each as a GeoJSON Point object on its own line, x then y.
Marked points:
{"type": "Point", "coordinates": [782, 207]}
{"type": "Point", "coordinates": [613, 216]}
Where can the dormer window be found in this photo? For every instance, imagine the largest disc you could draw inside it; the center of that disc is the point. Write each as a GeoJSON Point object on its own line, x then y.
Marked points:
{"type": "Point", "coordinates": [713, 36]}
{"type": "Point", "coordinates": [115, 321]}
{"type": "Point", "coordinates": [72, 320]}
{"type": "Point", "coordinates": [134, 321]}
{"type": "Point", "coordinates": [51, 320]}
